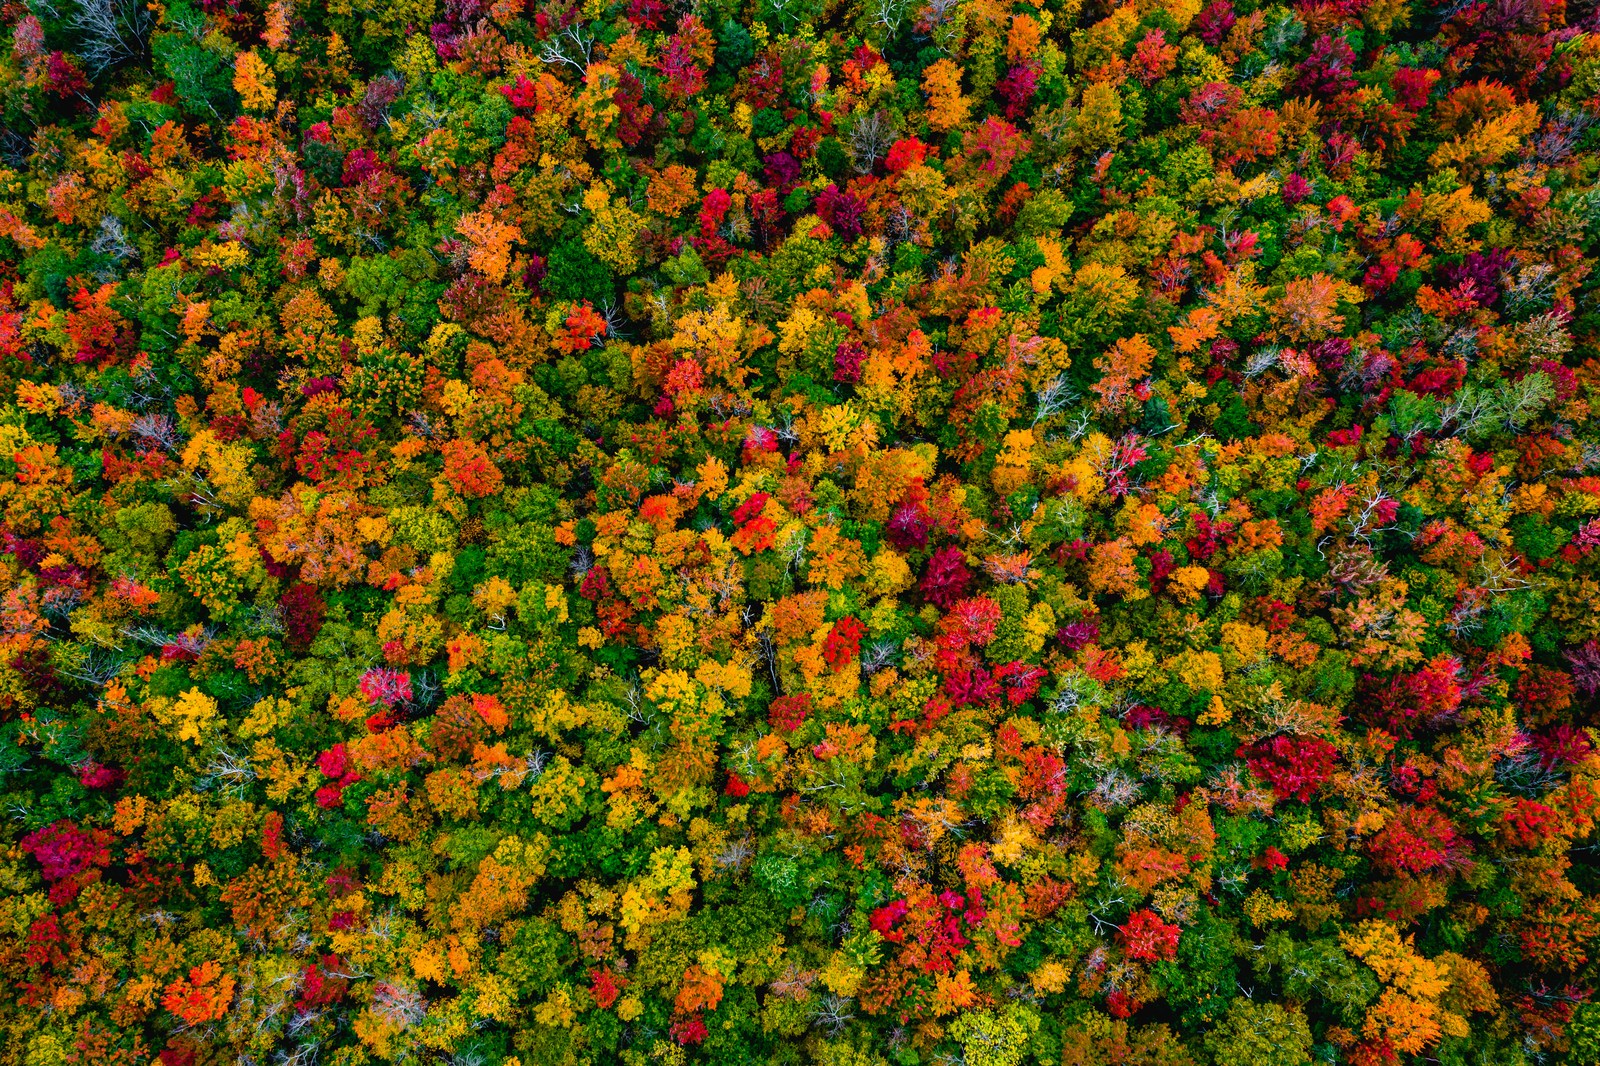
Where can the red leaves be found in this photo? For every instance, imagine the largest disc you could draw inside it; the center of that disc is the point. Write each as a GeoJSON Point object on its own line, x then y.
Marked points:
{"type": "Point", "coordinates": [1147, 938]}
{"type": "Point", "coordinates": [905, 154]}
{"type": "Point", "coordinates": [100, 332]}
{"type": "Point", "coordinates": [885, 918]}
{"type": "Point", "coordinates": [1416, 840]}
{"type": "Point", "coordinates": [1295, 767]}
{"type": "Point", "coordinates": [318, 985]}
{"type": "Point", "coordinates": [843, 643]}
{"type": "Point", "coordinates": [787, 713]}
{"type": "Point", "coordinates": [753, 530]}
{"type": "Point", "coordinates": [947, 577]}
{"type": "Point", "coordinates": [69, 857]}
{"type": "Point", "coordinates": [522, 93]}
{"type": "Point", "coordinates": [1424, 698]}
{"type": "Point", "coordinates": [605, 987]}
{"type": "Point", "coordinates": [303, 612]}
{"type": "Point", "coordinates": [335, 765]}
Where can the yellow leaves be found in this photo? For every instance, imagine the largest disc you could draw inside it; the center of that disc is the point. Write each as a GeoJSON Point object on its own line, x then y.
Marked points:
{"type": "Point", "coordinates": [612, 234]}
{"type": "Point", "coordinates": [719, 340]}
{"type": "Point", "coordinates": [844, 426]}
{"type": "Point", "coordinates": [947, 108]}
{"type": "Point", "coordinates": [1456, 212]}
{"type": "Point", "coordinates": [1188, 582]}
{"type": "Point", "coordinates": [1200, 670]}
{"type": "Point", "coordinates": [1379, 944]}
{"type": "Point", "coordinates": [1237, 295]}
{"type": "Point", "coordinates": [1015, 841]}
{"type": "Point", "coordinates": [491, 243]}
{"type": "Point", "coordinates": [1055, 266]}
{"type": "Point", "coordinates": [842, 976]}
{"type": "Point", "coordinates": [1038, 626]}
{"type": "Point", "coordinates": [1261, 910]}
{"type": "Point", "coordinates": [223, 255]}
{"type": "Point", "coordinates": [191, 713]}
{"type": "Point", "coordinates": [1100, 118]}
{"type": "Point", "coordinates": [889, 573]}
{"type": "Point", "coordinates": [1050, 978]}
{"type": "Point", "coordinates": [593, 108]}
{"type": "Point", "coordinates": [663, 892]}
{"type": "Point", "coordinates": [672, 691]}
{"type": "Point", "coordinates": [253, 81]}
{"type": "Point", "coordinates": [1017, 449]}
{"type": "Point", "coordinates": [1407, 1014]}
{"type": "Point", "coordinates": [1247, 643]}
{"type": "Point", "coordinates": [225, 465]}
{"type": "Point", "coordinates": [559, 791]}
{"type": "Point", "coordinates": [494, 998]}
{"type": "Point", "coordinates": [795, 331]}
{"type": "Point", "coordinates": [1488, 141]}
{"type": "Point", "coordinates": [1106, 287]}
{"type": "Point", "coordinates": [38, 399]}
{"type": "Point", "coordinates": [731, 678]}
{"type": "Point", "coordinates": [274, 713]}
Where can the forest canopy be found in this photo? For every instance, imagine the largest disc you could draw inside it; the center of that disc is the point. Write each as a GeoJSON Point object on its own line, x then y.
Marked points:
{"type": "Point", "coordinates": [859, 532]}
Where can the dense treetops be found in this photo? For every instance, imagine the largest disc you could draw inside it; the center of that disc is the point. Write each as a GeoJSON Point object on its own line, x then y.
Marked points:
{"type": "Point", "coordinates": [882, 532]}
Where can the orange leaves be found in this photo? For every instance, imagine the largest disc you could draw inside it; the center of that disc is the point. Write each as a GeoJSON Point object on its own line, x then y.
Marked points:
{"type": "Point", "coordinates": [1201, 325]}
{"type": "Point", "coordinates": [491, 242]}
{"type": "Point", "coordinates": [671, 190]}
{"type": "Point", "coordinates": [661, 512]}
{"type": "Point", "coordinates": [1307, 310]}
{"type": "Point", "coordinates": [1111, 570]}
{"type": "Point", "coordinates": [1235, 295]}
{"type": "Point", "coordinates": [468, 469]}
{"type": "Point", "coordinates": [1125, 363]}
{"type": "Point", "coordinates": [203, 997]}
{"type": "Point", "coordinates": [1488, 140]}
{"type": "Point", "coordinates": [833, 558]}
{"type": "Point", "coordinates": [701, 990]}
{"type": "Point", "coordinates": [253, 81]}
{"type": "Point", "coordinates": [492, 711]}
{"type": "Point", "coordinates": [795, 617]}
{"type": "Point", "coordinates": [947, 108]}
{"type": "Point", "coordinates": [96, 329]}
{"type": "Point", "coordinates": [953, 992]}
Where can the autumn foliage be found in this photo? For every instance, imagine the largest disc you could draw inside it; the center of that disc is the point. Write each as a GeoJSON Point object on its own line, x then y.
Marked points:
{"type": "Point", "coordinates": [873, 533]}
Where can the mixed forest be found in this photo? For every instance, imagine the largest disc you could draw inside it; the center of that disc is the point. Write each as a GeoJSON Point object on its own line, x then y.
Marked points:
{"type": "Point", "coordinates": [857, 532]}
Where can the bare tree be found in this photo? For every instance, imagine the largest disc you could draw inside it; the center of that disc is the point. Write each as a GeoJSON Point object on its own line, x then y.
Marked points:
{"type": "Point", "coordinates": [110, 32]}
{"type": "Point", "coordinates": [571, 47]}
{"type": "Point", "coordinates": [869, 138]}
